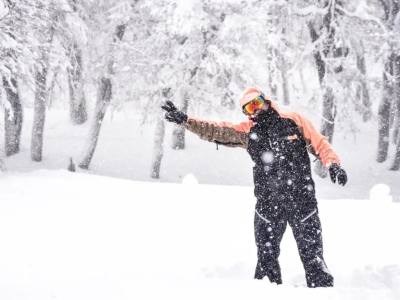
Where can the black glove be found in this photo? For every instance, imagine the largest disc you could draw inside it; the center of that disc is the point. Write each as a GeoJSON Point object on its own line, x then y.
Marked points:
{"type": "Point", "coordinates": [173, 114]}
{"type": "Point", "coordinates": [335, 171]}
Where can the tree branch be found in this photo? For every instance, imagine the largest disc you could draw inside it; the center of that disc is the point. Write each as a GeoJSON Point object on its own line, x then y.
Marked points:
{"type": "Point", "coordinates": [385, 9]}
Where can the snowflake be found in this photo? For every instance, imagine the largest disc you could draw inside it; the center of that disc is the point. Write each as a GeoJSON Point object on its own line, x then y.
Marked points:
{"type": "Point", "coordinates": [267, 157]}
{"type": "Point", "coordinates": [253, 136]}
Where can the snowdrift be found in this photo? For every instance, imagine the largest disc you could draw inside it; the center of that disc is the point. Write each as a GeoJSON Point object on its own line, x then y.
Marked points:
{"type": "Point", "coordinates": [77, 236]}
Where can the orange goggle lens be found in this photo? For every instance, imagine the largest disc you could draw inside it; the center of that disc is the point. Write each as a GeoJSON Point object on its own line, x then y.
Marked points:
{"type": "Point", "coordinates": [254, 105]}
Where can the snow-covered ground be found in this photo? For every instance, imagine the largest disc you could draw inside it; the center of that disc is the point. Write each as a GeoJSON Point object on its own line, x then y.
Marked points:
{"type": "Point", "coordinates": [79, 236]}
{"type": "Point", "coordinates": [123, 236]}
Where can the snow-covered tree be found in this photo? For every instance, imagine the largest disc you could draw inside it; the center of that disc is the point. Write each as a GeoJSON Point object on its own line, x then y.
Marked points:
{"type": "Point", "coordinates": [44, 31]}
{"type": "Point", "coordinates": [118, 15]}
{"type": "Point", "coordinates": [388, 109]}
{"type": "Point", "coordinates": [74, 43]}
{"type": "Point", "coordinates": [13, 43]}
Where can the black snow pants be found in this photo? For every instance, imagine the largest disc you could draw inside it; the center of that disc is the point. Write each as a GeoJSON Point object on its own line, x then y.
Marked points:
{"type": "Point", "coordinates": [270, 225]}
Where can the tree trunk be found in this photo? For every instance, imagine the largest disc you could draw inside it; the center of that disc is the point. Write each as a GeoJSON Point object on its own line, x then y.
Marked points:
{"type": "Point", "coordinates": [159, 135]}
{"type": "Point", "coordinates": [396, 161]}
{"type": "Point", "coordinates": [41, 96]}
{"type": "Point", "coordinates": [385, 112]}
{"type": "Point", "coordinates": [362, 89]}
{"type": "Point", "coordinates": [328, 114]}
{"type": "Point", "coordinates": [303, 82]}
{"type": "Point", "coordinates": [178, 135]}
{"type": "Point", "coordinates": [104, 94]}
{"type": "Point", "coordinates": [78, 112]}
{"type": "Point", "coordinates": [396, 100]}
{"type": "Point", "coordinates": [158, 148]}
{"type": "Point", "coordinates": [2, 166]}
{"type": "Point", "coordinates": [285, 86]}
{"type": "Point", "coordinates": [319, 62]}
{"type": "Point", "coordinates": [328, 125]}
{"type": "Point", "coordinates": [396, 97]}
{"type": "Point", "coordinates": [13, 117]}
{"type": "Point", "coordinates": [271, 57]}
{"type": "Point", "coordinates": [319, 168]}
{"type": "Point", "coordinates": [39, 115]}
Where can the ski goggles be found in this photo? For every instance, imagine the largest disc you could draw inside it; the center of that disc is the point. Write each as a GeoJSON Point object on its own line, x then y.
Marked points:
{"type": "Point", "coordinates": [251, 107]}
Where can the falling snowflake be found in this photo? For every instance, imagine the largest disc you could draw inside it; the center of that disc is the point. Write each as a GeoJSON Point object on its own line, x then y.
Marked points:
{"type": "Point", "coordinates": [267, 157]}
{"type": "Point", "coordinates": [253, 136]}
{"type": "Point", "coordinates": [267, 168]}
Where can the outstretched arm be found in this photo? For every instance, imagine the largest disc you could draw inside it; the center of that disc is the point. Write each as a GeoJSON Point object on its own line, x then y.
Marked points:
{"type": "Point", "coordinates": [223, 133]}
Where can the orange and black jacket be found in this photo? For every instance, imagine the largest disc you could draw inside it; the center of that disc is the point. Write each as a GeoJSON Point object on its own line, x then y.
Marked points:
{"type": "Point", "coordinates": [278, 143]}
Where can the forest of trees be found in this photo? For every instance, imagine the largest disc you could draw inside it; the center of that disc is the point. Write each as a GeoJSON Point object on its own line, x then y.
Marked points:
{"type": "Point", "coordinates": [344, 56]}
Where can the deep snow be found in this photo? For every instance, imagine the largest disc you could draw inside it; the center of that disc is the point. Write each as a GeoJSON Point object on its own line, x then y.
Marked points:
{"type": "Point", "coordinates": [77, 236]}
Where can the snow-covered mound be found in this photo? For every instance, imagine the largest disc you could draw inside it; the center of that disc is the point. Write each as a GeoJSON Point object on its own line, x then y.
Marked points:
{"type": "Point", "coordinates": [76, 236]}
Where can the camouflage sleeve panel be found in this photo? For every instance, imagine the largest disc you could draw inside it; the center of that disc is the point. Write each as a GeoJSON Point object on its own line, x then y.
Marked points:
{"type": "Point", "coordinates": [320, 145]}
{"type": "Point", "coordinates": [223, 133]}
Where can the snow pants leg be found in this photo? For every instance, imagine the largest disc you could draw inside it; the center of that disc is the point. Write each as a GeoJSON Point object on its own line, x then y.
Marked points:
{"type": "Point", "coordinates": [269, 226]}
{"type": "Point", "coordinates": [306, 227]}
{"type": "Point", "coordinates": [270, 222]}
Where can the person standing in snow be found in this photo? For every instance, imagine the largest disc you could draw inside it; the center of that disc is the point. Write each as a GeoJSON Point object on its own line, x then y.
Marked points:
{"type": "Point", "coordinates": [278, 143]}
